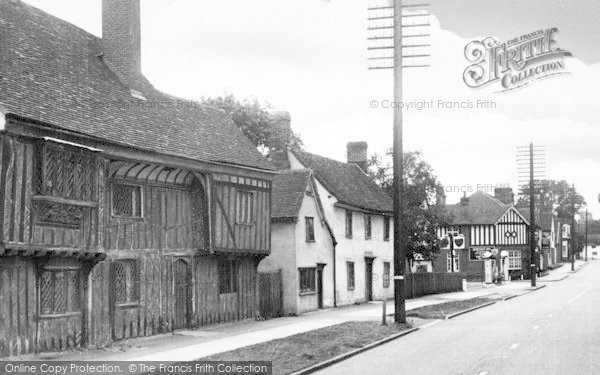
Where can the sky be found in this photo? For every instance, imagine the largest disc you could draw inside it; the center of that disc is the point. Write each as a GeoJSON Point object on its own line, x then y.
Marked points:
{"type": "Point", "coordinates": [309, 57]}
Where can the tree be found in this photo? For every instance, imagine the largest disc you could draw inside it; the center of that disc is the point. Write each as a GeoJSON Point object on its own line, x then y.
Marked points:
{"type": "Point", "coordinates": [424, 200]}
{"type": "Point", "coordinates": [253, 118]}
{"type": "Point", "coordinates": [553, 195]}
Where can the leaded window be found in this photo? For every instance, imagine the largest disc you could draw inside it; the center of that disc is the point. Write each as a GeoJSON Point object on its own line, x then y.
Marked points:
{"type": "Point", "coordinates": [126, 200]}
{"type": "Point", "coordinates": [227, 276]}
{"type": "Point", "coordinates": [126, 281]}
{"type": "Point", "coordinates": [60, 292]}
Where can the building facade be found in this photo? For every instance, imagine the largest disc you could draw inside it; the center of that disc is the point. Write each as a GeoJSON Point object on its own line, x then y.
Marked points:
{"type": "Point", "coordinates": [359, 217]}
{"type": "Point", "coordinates": [487, 224]}
{"type": "Point", "coordinates": [120, 217]}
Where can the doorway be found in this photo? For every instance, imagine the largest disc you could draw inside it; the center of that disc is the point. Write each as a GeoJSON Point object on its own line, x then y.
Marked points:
{"type": "Point", "coordinates": [183, 296]}
{"type": "Point", "coordinates": [369, 279]}
{"type": "Point", "coordinates": [320, 267]}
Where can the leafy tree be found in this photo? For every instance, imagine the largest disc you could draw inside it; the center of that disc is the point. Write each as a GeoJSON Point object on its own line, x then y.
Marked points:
{"type": "Point", "coordinates": [424, 200]}
{"type": "Point", "coordinates": [553, 195]}
{"type": "Point", "coordinates": [252, 117]}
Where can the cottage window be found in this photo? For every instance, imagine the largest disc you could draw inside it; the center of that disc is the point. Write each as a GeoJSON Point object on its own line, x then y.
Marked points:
{"type": "Point", "coordinates": [227, 276]}
{"type": "Point", "coordinates": [60, 292]}
{"type": "Point", "coordinates": [386, 228]}
{"type": "Point", "coordinates": [126, 200]}
{"type": "Point", "coordinates": [386, 274]}
{"type": "Point", "coordinates": [245, 207]}
{"type": "Point", "coordinates": [310, 229]}
{"type": "Point", "coordinates": [126, 281]}
{"type": "Point", "coordinates": [514, 259]}
{"type": "Point", "coordinates": [367, 227]}
{"type": "Point", "coordinates": [449, 262]}
{"type": "Point", "coordinates": [350, 275]}
{"type": "Point", "coordinates": [348, 224]}
{"type": "Point", "coordinates": [307, 280]}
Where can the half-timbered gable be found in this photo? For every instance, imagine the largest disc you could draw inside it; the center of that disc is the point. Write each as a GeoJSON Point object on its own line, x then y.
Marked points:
{"type": "Point", "coordinates": [126, 212]}
{"type": "Point", "coordinates": [512, 229]}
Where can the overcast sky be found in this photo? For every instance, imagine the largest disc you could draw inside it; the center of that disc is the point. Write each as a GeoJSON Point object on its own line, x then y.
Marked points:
{"type": "Point", "coordinates": [309, 57]}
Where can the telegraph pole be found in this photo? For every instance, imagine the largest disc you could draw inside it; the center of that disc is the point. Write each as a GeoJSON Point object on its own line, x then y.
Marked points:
{"type": "Point", "coordinates": [586, 238]}
{"type": "Point", "coordinates": [530, 162]}
{"type": "Point", "coordinates": [573, 229]}
{"type": "Point", "coordinates": [532, 216]}
{"type": "Point", "coordinates": [451, 237]}
{"type": "Point", "coordinates": [381, 61]}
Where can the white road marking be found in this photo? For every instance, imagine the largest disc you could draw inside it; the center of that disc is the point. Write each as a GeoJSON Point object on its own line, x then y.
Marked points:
{"type": "Point", "coordinates": [580, 294]}
{"type": "Point", "coordinates": [483, 373]}
{"type": "Point", "coordinates": [514, 346]}
{"type": "Point", "coordinates": [536, 327]}
{"type": "Point", "coordinates": [549, 315]}
{"type": "Point", "coordinates": [429, 324]}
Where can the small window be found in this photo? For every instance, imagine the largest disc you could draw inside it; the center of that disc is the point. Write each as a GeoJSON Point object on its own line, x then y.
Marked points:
{"type": "Point", "coordinates": [514, 260]}
{"type": "Point", "coordinates": [307, 280]}
{"type": "Point", "coordinates": [127, 200]}
{"type": "Point", "coordinates": [60, 292]}
{"type": "Point", "coordinates": [349, 224]}
{"type": "Point", "coordinates": [310, 229]}
{"type": "Point", "coordinates": [227, 276]}
{"type": "Point", "coordinates": [367, 227]}
{"type": "Point", "coordinates": [386, 228]}
{"type": "Point", "coordinates": [449, 262]}
{"type": "Point", "coordinates": [126, 281]}
{"type": "Point", "coordinates": [386, 274]}
{"type": "Point", "coordinates": [245, 208]}
{"type": "Point", "coordinates": [350, 275]}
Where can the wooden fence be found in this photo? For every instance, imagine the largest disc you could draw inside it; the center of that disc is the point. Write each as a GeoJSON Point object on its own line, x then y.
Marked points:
{"type": "Point", "coordinates": [420, 284]}
{"type": "Point", "coordinates": [270, 291]}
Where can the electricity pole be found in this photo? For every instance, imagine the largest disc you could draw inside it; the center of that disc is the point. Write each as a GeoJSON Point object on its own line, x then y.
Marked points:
{"type": "Point", "coordinates": [451, 237]}
{"type": "Point", "coordinates": [381, 30]}
{"type": "Point", "coordinates": [532, 216]}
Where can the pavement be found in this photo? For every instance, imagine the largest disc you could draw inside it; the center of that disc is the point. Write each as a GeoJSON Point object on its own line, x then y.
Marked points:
{"type": "Point", "coordinates": [552, 331]}
{"type": "Point", "coordinates": [188, 345]}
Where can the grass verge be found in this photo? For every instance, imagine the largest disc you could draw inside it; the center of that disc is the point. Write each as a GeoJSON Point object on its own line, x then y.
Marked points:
{"type": "Point", "coordinates": [441, 310]}
{"type": "Point", "coordinates": [294, 353]}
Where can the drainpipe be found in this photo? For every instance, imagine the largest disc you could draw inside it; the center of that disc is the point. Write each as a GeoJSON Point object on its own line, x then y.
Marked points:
{"type": "Point", "coordinates": [334, 242]}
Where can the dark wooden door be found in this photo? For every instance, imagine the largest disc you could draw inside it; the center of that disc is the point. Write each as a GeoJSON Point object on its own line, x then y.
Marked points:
{"type": "Point", "coordinates": [369, 279]}
{"type": "Point", "coordinates": [320, 286]}
{"type": "Point", "coordinates": [183, 296]}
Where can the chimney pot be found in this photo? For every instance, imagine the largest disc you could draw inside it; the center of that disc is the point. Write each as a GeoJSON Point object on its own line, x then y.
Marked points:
{"type": "Point", "coordinates": [357, 154]}
{"type": "Point", "coordinates": [464, 201]}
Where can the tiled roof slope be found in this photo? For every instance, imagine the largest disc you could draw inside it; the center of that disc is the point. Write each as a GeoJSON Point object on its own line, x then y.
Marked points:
{"type": "Point", "coordinates": [481, 209]}
{"type": "Point", "coordinates": [347, 182]}
{"type": "Point", "coordinates": [288, 191]}
{"type": "Point", "coordinates": [53, 72]}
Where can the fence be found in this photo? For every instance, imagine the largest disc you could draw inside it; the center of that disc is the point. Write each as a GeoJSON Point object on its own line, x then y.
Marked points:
{"type": "Point", "coordinates": [420, 284]}
{"type": "Point", "coordinates": [270, 291]}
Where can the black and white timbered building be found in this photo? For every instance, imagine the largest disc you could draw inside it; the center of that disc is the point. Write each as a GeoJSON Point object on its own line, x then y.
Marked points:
{"type": "Point", "coordinates": [486, 223]}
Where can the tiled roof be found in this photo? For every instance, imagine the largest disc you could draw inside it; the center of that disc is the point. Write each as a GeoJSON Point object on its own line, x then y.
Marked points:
{"type": "Point", "coordinates": [53, 72]}
{"type": "Point", "coordinates": [481, 209]}
{"type": "Point", "coordinates": [288, 192]}
{"type": "Point", "coordinates": [347, 182]}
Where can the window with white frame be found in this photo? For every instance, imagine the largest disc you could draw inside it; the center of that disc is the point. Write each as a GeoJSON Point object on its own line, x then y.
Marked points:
{"type": "Point", "coordinates": [307, 280]}
{"type": "Point", "coordinates": [514, 259]}
{"type": "Point", "coordinates": [449, 262]}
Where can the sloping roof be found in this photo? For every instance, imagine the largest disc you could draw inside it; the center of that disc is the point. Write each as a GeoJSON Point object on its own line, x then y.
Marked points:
{"type": "Point", "coordinates": [481, 209]}
{"type": "Point", "coordinates": [288, 191]}
{"type": "Point", "coordinates": [347, 182]}
{"type": "Point", "coordinates": [53, 72]}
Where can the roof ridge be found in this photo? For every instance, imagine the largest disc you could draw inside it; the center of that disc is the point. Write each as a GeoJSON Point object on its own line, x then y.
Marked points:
{"type": "Point", "coordinates": [320, 156]}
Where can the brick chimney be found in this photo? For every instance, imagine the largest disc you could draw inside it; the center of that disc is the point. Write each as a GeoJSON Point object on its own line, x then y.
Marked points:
{"type": "Point", "coordinates": [279, 139]}
{"type": "Point", "coordinates": [464, 201]}
{"type": "Point", "coordinates": [121, 38]}
{"type": "Point", "coordinates": [357, 154]}
{"type": "Point", "coordinates": [504, 195]}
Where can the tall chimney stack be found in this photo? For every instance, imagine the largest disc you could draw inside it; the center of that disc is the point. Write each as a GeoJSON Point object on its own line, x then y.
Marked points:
{"type": "Point", "coordinates": [357, 154]}
{"type": "Point", "coordinates": [279, 139]}
{"type": "Point", "coordinates": [504, 195]}
{"type": "Point", "coordinates": [121, 38]}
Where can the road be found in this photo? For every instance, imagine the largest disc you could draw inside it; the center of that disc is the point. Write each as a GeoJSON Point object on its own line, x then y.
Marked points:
{"type": "Point", "coordinates": [554, 330]}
